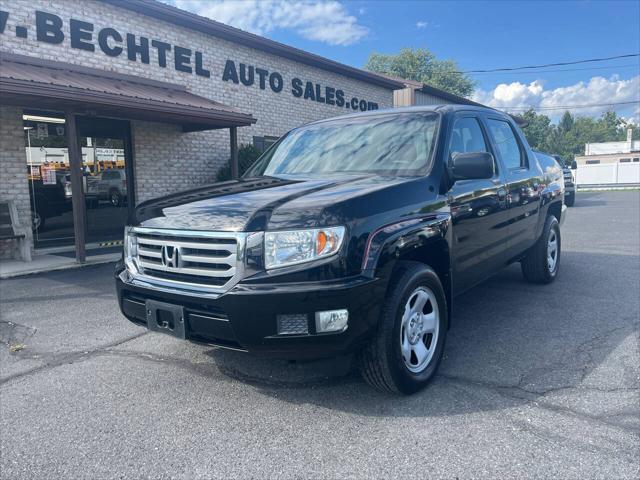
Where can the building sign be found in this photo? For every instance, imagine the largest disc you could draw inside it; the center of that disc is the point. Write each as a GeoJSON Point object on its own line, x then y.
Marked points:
{"type": "Point", "coordinates": [249, 75]}
{"type": "Point", "coordinates": [113, 43]}
{"type": "Point", "coordinates": [103, 153]}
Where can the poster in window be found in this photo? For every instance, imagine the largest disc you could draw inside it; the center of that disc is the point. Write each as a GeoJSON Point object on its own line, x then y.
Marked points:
{"type": "Point", "coordinates": [48, 176]}
{"type": "Point", "coordinates": [43, 130]}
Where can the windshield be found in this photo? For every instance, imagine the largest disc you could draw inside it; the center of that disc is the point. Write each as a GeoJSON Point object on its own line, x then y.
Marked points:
{"type": "Point", "coordinates": [390, 144]}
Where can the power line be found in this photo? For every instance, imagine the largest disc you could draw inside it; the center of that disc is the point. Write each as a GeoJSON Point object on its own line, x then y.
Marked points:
{"type": "Point", "coordinates": [566, 69]}
{"type": "Point", "coordinates": [511, 70]}
{"type": "Point", "coordinates": [571, 107]}
{"type": "Point", "coordinates": [559, 64]}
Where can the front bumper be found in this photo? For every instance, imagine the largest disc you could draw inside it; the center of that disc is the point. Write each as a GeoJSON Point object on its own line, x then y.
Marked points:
{"type": "Point", "coordinates": [245, 317]}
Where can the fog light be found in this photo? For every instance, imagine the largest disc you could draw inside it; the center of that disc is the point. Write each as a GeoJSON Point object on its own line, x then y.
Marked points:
{"type": "Point", "coordinates": [332, 321]}
{"type": "Point", "coordinates": [295, 324]}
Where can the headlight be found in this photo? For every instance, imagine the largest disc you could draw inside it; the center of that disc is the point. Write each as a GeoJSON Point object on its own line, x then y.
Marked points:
{"type": "Point", "coordinates": [299, 246]}
{"type": "Point", "coordinates": [130, 245]}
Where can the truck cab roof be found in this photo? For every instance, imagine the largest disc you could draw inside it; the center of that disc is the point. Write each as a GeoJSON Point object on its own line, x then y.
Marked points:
{"type": "Point", "coordinates": [441, 109]}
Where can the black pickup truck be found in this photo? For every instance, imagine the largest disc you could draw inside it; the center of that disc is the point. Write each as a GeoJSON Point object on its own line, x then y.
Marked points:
{"type": "Point", "coordinates": [349, 235]}
{"type": "Point", "coordinates": [569, 180]}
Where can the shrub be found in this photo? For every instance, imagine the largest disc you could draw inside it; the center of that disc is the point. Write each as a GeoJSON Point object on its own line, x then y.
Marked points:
{"type": "Point", "coordinates": [247, 155]}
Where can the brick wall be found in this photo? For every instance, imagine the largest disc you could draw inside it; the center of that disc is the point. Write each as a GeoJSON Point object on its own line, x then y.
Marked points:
{"type": "Point", "coordinates": [13, 168]}
{"type": "Point", "coordinates": [167, 160]}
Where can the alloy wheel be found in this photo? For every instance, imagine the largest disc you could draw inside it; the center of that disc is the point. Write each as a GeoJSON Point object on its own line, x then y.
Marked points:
{"type": "Point", "coordinates": [552, 251]}
{"type": "Point", "coordinates": [419, 329]}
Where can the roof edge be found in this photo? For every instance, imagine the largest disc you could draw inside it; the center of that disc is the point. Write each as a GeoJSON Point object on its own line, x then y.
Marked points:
{"type": "Point", "coordinates": [12, 88]}
{"type": "Point", "coordinates": [448, 96]}
{"type": "Point", "coordinates": [171, 14]}
{"type": "Point", "coordinates": [42, 62]}
{"type": "Point", "coordinates": [437, 92]}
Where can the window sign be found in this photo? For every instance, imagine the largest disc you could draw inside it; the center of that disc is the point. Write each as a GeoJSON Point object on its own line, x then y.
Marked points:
{"type": "Point", "coordinates": [48, 176]}
{"type": "Point", "coordinates": [42, 131]}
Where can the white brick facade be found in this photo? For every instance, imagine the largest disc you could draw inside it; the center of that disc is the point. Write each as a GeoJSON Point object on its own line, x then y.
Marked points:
{"type": "Point", "coordinates": [167, 160]}
{"type": "Point", "coordinates": [13, 168]}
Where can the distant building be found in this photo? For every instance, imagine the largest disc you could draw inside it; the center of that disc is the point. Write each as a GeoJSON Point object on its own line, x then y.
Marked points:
{"type": "Point", "coordinates": [611, 152]}
{"type": "Point", "coordinates": [418, 93]}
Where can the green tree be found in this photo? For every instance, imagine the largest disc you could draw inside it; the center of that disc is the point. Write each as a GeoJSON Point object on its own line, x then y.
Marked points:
{"type": "Point", "coordinates": [537, 129]}
{"type": "Point", "coordinates": [421, 65]}
{"type": "Point", "coordinates": [570, 135]}
{"type": "Point", "coordinates": [566, 122]}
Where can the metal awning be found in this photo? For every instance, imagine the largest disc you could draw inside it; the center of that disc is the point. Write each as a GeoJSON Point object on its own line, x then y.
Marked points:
{"type": "Point", "coordinates": [33, 82]}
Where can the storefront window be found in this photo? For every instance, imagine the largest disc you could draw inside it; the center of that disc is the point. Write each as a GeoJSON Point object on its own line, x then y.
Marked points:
{"type": "Point", "coordinates": [104, 182]}
{"type": "Point", "coordinates": [49, 180]}
{"type": "Point", "coordinates": [263, 143]}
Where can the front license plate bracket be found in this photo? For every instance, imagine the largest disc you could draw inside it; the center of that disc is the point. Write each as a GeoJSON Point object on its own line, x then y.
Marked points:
{"type": "Point", "coordinates": [166, 318]}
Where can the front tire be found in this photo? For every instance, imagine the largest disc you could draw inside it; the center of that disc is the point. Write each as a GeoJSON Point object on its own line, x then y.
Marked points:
{"type": "Point", "coordinates": [543, 259]}
{"type": "Point", "coordinates": [405, 352]}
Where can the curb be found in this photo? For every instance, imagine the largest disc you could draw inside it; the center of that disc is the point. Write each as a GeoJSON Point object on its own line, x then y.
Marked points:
{"type": "Point", "coordinates": [98, 260]}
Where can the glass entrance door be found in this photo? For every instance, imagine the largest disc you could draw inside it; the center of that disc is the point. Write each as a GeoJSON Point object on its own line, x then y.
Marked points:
{"type": "Point", "coordinates": [106, 160]}
{"type": "Point", "coordinates": [106, 163]}
{"type": "Point", "coordinates": [106, 188]}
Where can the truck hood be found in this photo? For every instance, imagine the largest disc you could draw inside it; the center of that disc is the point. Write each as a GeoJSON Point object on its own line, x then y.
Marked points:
{"type": "Point", "coordinates": [261, 203]}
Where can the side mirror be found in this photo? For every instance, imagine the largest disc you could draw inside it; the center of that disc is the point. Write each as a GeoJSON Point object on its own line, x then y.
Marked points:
{"type": "Point", "coordinates": [574, 165]}
{"type": "Point", "coordinates": [472, 165]}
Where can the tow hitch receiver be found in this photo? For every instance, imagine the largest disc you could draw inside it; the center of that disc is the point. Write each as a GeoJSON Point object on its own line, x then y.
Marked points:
{"type": "Point", "coordinates": [166, 318]}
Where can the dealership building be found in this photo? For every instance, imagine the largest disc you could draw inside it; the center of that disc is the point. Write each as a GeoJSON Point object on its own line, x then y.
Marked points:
{"type": "Point", "coordinates": [104, 104]}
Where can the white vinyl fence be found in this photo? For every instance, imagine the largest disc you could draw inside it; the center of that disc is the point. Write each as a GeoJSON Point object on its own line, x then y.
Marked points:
{"type": "Point", "coordinates": [608, 174]}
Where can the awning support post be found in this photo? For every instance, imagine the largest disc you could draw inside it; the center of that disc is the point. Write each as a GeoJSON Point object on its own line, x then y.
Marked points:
{"type": "Point", "coordinates": [77, 189]}
{"type": "Point", "coordinates": [233, 136]}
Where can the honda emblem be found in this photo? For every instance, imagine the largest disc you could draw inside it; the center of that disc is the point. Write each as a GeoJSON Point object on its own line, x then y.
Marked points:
{"type": "Point", "coordinates": [170, 256]}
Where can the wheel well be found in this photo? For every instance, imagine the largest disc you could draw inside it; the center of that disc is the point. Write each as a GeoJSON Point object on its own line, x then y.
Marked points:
{"type": "Point", "coordinates": [435, 255]}
{"type": "Point", "coordinates": [555, 209]}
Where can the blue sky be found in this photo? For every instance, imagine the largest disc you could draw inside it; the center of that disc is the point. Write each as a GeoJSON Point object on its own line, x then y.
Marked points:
{"type": "Point", "coordinates": [478, 35]}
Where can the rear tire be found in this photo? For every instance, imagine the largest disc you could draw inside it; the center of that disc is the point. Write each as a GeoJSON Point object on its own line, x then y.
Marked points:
{"type": "Point", "coordinates": [570, 200]}
{"type": "Point", "coordinates": [404, 354]}
{"type": "Point", "coordinates": [543, 259]}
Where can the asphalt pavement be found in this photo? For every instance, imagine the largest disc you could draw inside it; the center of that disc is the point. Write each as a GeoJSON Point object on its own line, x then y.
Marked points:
{"type": "Point", "coordinates": [537, 382]}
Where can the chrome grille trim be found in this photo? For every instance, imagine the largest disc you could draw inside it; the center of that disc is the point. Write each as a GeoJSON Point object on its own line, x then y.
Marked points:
{"type": "Point", "coordinates": [208, 261]}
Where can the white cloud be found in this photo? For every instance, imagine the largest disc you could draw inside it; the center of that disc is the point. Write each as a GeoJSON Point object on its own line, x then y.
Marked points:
{"type": "Point", "coordinates": [597, 91]}
{"type": "Point", "coordinates": [421, 24]}
{"type": "Point", "coordinates": [325, 21]}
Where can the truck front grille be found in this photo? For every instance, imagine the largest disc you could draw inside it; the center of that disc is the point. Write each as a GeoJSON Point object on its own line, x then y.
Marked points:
{"type": "Point", "coordinates": [207, 259]}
